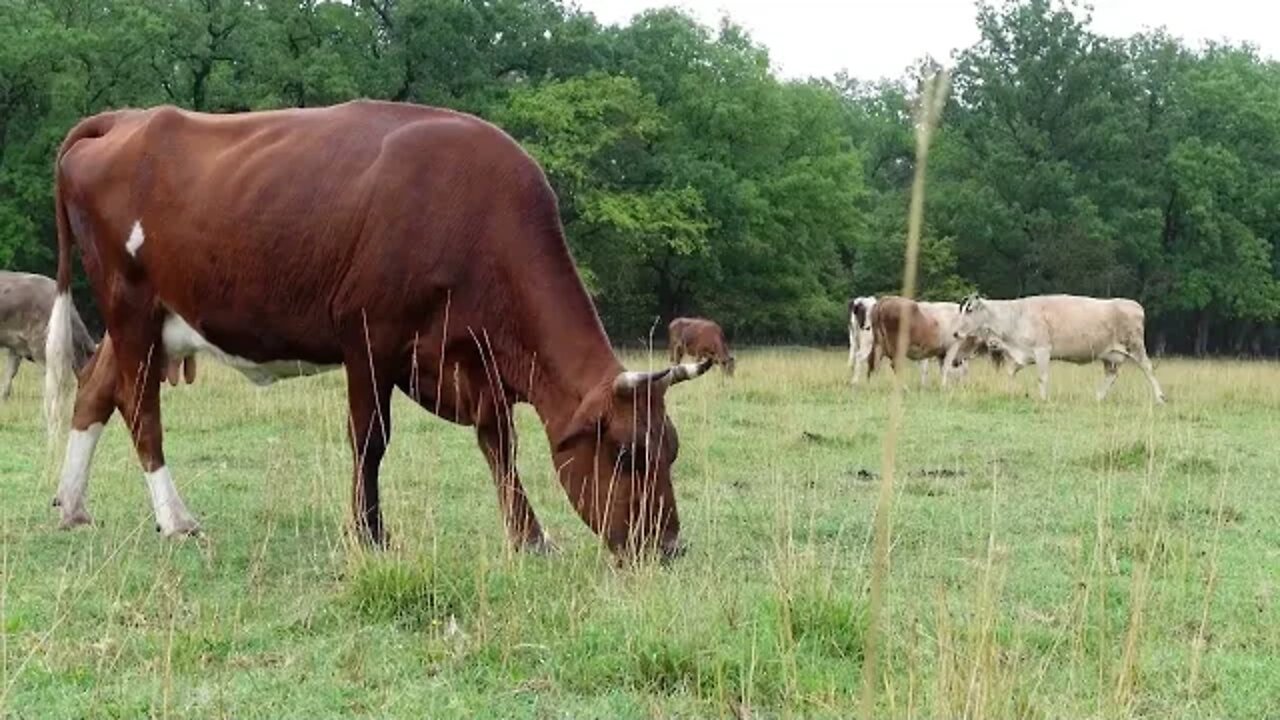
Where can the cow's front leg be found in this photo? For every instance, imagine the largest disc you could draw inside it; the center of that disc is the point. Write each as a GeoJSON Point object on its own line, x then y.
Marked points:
{"type": "Point", "coordinates": [1042, 367]}
{"type": "Point", "coordinates": [369, 425]}
{"type": "Point", "coordinates": [948, 360]}
{"type": "Point", "coordinates": [141, 368]}
{"type": "Point", "coordinates": [10, 371]}
{"type": "Point", "coordinates": [496, 435]}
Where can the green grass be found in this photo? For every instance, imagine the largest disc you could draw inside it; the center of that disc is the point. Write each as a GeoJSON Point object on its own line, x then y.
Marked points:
{"type": "Point", "coordinates": [1069, 559]}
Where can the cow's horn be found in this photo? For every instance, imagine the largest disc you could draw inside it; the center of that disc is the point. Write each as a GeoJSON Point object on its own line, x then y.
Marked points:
{"type": "Point", "coordinates": [688, 371]}
{"type": "Point", "coordinates": [632, 380]}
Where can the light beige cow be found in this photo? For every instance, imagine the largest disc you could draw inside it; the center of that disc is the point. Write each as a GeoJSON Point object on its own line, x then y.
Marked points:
{"type": "Point", "coordinates": [1060, 327]}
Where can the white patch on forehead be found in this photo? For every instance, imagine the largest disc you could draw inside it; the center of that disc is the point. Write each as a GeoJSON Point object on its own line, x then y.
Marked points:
{"type": "Point", "coordinates": [136, 238]}
{"type": "Point", "coordinates": [181, 340]}
{"type": "Point", "coordinates": [866, 303]}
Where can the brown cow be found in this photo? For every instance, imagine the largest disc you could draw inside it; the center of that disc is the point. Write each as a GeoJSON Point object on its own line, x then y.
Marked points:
{"type": "Point", "coordinates": [931, 334]}
{"type": "Point", "coordinates": [701, 339]}
{"type": "Point", "coordinates": [419, 248]}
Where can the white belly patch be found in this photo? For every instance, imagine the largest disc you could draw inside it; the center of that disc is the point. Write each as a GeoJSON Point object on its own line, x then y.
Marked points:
{"type": "Point", "coordinates": [182, 340]}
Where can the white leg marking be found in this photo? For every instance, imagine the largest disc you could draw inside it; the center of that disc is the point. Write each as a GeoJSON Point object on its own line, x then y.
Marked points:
{"type": "Point", "coordinates": [172, 517]}
{"type": "Point", "coordinates": [136, 238]}
{"type": "Point", "coordinates": [75, 475]}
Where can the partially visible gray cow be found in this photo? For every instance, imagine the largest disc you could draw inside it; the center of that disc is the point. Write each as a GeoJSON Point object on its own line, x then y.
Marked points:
{"type": "Point", "coordinates": [25, 302]}
{"type": "Point", "coordinates": [1061, 327]}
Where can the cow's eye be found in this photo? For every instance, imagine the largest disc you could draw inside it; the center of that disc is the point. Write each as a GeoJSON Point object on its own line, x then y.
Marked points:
{"type": "Point", "coordinates": [631, 456]}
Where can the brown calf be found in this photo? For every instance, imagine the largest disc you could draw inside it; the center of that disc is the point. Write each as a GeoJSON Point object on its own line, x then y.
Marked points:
{"type": "Point", "coordinates": [701, 339]}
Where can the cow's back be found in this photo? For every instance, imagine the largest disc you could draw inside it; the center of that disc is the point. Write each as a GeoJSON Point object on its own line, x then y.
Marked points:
{"type": "Point", "coordinates": [924, 334]}
{"type": "Point", "coordinates": [698, 335]}
{"type": "Point", "coordinates": [306, 219]}
{"type": "Point", "coordinates": [946, 316]}
{"type": "Point", "coordinates": [1081, 328]}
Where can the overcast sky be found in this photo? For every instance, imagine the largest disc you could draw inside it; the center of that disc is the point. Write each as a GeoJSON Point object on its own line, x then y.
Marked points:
{"type": "Point", "coordinates": [880, 38]}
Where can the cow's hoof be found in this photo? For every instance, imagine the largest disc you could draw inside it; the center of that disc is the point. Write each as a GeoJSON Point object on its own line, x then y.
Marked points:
{"type": "Point", "coordinates": [379, 540]}
{"type": "Point", "coordinates": [75, 519]}
{"type": "Point", "coordinates": [186, 527]}
{"type": "Point", "coordinates": [541, 546]}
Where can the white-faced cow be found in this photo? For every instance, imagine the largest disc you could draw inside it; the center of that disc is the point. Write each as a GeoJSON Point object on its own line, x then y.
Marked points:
{"type": "Point", "coordinates": [418, 248]}
{"type": "Point", "coordinates": [861, 336]}
{"type": "Point", "coordinates": [1061, 327]}
{"type": "Point", "coordinates": [930, 336]}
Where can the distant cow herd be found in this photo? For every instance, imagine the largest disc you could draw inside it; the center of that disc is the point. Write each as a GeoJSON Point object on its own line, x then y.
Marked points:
{"type": "Point", "coordinates": [407, 245]}
{"type": "Point", "coordinates": [1015, 333]}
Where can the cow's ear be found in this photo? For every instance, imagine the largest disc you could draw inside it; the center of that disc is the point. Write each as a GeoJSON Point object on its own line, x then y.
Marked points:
{"type": "Point", "coordinates": [586, 418]}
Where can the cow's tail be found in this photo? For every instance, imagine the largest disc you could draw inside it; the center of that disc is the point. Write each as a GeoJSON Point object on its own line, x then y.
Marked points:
{"type": "Point", "coordinates": [877, 342]}
{"type": "Point", "coordinates": [60, 339]}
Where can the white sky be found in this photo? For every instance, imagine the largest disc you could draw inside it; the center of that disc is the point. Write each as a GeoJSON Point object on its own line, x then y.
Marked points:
{"type": "Point", "coordinates": [881, 38]}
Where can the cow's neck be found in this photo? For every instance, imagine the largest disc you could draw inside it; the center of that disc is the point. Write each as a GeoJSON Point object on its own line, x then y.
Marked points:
{"type": "Point", "coordinates": [569, 356]}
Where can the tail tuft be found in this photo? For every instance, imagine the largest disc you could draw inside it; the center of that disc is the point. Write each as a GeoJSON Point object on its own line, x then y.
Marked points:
{"type": "Point", "coordinates": [59, 359]}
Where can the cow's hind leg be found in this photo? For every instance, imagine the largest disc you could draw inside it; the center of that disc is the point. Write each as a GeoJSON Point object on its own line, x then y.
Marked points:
{"type": "Point", "coordinates": [10, 371]}
{"type": "Point", "coordinates": [95, 401]}
{"type": "Point", "coordinates": [369, 426]}
{"type": "Point", "coordinates": [1139, 357]}
{"type": "Point", "coordinates": [1111, 368]}
{"type": "Point", "coordinates": [496, 434]}
{"type": "Point", "coordinates": [140, 370]}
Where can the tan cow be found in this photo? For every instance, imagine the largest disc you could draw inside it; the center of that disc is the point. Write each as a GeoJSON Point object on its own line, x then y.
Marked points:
{"type": "Point", "coordinates": [931, 335]}
{"type": "Point", "coordinates": [1060, 327]}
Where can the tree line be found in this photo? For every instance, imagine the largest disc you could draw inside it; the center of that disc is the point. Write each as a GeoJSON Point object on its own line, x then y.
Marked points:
{"type": "Point", "coordinates": [693, 180]}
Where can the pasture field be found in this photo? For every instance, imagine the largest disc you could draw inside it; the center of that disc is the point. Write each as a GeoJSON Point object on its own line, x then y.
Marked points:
{"type": "Point", "coordinates": [1067, 559]}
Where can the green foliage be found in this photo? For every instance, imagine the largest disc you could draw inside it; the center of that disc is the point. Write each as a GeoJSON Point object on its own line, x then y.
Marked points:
{"type": "Point", "coordinates": [694, 181]}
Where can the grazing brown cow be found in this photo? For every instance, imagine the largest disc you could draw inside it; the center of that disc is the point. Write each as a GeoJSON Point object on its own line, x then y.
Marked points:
{"type": "Point", "coordinates": [701, 339]}
{"type": "Point", "coordinates": [418, 248]}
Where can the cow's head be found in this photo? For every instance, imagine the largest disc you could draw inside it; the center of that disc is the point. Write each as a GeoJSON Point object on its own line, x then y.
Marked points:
{"type": "Point", "coordinates": [974, 318]}
{"type": "Point", "coordinates": [615, 461]}
{"type": "Point", "coordinates": [860, 310]}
